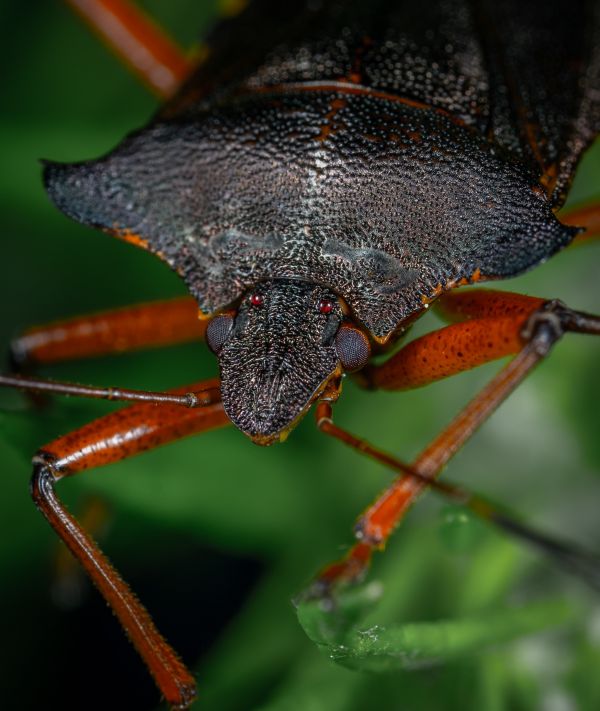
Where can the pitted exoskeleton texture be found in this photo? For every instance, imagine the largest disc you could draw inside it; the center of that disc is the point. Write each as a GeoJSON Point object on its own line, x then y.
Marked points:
{"type": "Point", "coordinates": [526, 74]}
{"type": "Point", "coordinates": [379, 151]}
{"type": "Point", "coordinates": [383, 203]}
{"type": "Point", "coordinates": [278, 355]}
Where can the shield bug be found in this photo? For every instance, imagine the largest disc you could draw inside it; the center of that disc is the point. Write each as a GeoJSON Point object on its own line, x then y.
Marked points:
{"type": "Point", "coordinates": [318, 185]}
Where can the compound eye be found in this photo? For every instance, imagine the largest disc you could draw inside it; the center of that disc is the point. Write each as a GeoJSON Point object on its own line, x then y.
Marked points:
{"type": "Point", "coordinates": [352, 347]}
{"type": "Point", "coordinates": [257, 299]}
{"type": "Point", "coordinates": [217, 332]}
{"type": "Point", "coordinates": [325, 306]}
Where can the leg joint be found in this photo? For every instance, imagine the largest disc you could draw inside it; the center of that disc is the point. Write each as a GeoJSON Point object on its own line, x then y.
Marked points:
{"type": "Point", "coordinates": [43, 478]}
{"type": "Point", "coordinates": [373, 538]}
{"type": "Point", "coordinates": [546, 326]}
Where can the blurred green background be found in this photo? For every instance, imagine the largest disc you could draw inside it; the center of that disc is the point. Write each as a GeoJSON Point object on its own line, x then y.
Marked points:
{"type": "Point", "coordinates": [215, 534]}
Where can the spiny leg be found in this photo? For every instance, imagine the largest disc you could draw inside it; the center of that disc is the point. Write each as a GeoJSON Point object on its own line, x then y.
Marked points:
{"type": "Point", "coordinates": [508, 324]}
{"type": "Point", "coordinates": [138, 42]}
{"type": "Point", "coordinates": [109, 439]}
{"type": "Point", "coordinates": [150, 325]}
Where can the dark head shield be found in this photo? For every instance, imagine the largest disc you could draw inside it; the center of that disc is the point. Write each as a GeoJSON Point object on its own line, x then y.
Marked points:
{"type": "Point", "coordinates": [276, 355]}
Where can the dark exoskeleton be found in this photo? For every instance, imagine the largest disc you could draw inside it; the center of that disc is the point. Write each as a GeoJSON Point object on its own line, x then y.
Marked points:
{"type": "Point", "coordinates": [329, 171]}
{"type": "Point", "coordinates": [364, 153]}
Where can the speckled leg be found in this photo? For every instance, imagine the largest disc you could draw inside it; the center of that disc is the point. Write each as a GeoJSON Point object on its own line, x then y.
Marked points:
{"type": "Point", "coordinates": [487, 325]}
{"type": "Point", "coordinates": [109, 439]}
{"type": "Point", "coordinates": [151, 325]}
{"type": "Point", "coordinates": [587, 216]}
{"type": "Point", "coordinates": [138, 42]}
{"type": "Point", "coordinates": [499, 323]}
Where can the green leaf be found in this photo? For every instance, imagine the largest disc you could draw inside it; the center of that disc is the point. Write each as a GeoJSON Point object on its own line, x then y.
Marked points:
{"type": "Point", "coordinates": [407, 646]}
{"type": "Point", "coordinates": [329, 621]}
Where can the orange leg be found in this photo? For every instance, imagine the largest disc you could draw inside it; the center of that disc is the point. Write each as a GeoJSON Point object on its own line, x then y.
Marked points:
{"type": "Point", "coordinates": [69, 579]}
{"type": "Point", "coordinates": [587, 216]}
{"type": "Point", "coordinates": [138, 41]}
{"type": "Point", "coordinates": [156, 324]}
{"type": "Point", "coordinates": [484, 323]}
{"type": "Point", "coordinates": [109, 439]}
{"type": "Point", "coordinates": [488, 327]}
